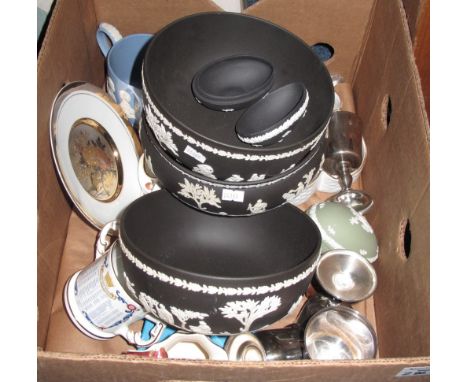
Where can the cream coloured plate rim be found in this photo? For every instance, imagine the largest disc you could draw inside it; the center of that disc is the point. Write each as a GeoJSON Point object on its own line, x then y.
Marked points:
{"type": "Point", "coordinates": [81, 101]}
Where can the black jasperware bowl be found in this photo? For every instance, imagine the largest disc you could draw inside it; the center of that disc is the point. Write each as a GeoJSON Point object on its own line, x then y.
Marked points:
{"type": "Point", "coordinates": [195, 134]}
{"type": "Point", "coordinates": [215, 274]}
{"type": "Point", "coordinates": [229, 198]}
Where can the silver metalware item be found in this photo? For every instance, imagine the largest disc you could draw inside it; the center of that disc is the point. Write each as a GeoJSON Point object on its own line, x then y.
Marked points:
{"type": "Point", "coordinates": [340, 332]}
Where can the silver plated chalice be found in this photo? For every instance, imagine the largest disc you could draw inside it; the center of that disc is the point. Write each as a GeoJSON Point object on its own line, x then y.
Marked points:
{"type": "Point", "coordinates": [344, 155]}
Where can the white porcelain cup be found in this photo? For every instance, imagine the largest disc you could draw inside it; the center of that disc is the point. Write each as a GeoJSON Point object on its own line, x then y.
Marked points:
{"type": "Point", "coordinates": [97, 303]}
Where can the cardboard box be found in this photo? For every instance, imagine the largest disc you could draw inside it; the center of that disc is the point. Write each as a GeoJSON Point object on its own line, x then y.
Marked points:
{"type": "Point", "coordinates": [373, 52]}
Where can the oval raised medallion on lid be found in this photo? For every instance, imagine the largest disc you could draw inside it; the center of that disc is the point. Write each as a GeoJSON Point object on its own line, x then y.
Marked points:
{"type": "Point", "coordinates": [273, 117]}
{"type": "Point", "coordinates": [232, 83]}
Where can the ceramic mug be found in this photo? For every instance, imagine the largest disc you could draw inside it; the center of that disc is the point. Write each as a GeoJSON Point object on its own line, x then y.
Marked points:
{"type": "Point", "coordinates": [97, 303]}
{"type": "Point", "coordinates": [124, 57]}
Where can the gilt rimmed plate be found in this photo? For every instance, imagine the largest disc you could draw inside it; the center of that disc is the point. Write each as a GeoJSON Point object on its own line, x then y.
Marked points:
{"type": "Point", "coordinates": [95, 151]}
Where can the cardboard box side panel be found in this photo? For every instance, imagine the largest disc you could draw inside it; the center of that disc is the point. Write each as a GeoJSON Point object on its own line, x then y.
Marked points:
{"type": "Point", "coordinates": [60, 60]}
{"type": "Point", "coordinates": [151, 15]}
{"type": "Point", "coordinates": [397, 176]}
{"type": "Point", "coordinates": [341, 24]}
{"type": "Point", "coordinates": [403, 308]}
{"type": "Point", "coordinates": [69, 367]}
{"type": "Point", "coordinates": [413, 10]}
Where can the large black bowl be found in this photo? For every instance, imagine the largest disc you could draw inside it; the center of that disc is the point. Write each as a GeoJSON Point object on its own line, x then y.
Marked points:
{"type": "Point", "coordinates": [216, 274]}
{"type": "Point", "coordinates": [195, 134]}
{"type": "Point", "coordinates": [229, 198]}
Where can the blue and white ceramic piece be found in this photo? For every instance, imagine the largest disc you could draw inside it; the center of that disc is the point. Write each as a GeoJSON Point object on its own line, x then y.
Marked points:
{"type": "Point", "coordinates": [124, 57]}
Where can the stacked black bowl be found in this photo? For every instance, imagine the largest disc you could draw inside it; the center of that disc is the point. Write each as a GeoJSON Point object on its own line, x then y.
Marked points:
{"type": "Point", "coordinates": [235, 112]}
{"type": "Point", "coordinates": [235, 115]}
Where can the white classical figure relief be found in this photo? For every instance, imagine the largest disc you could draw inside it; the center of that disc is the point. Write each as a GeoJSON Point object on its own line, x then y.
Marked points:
{"type": "Point", "coordinates": [125, 101]}
{"type": "Point", "coordinates": [302, 190]}
{"type": "Point", "coordinates": [259, 207]}
{"type": "Point", "coordinates": [163, 136]}
{"type": "Point", "coordinates": [247, 311]}
{"type": "Point", "coordinates": [155, 307]}
{"type": "Point", "coordinates": [235, 178]}
{"type": "Point", "coordinates": [202, 328]}
{"type": "Point", "coordinates": [256, 177]}
{"type": "Point", "coordinates": [184, 315]}
{"type": "Point", "coordinates": [205, 169]}
{"type": "Point", "coordinates": [295, 305]}
{"type": "Point", "coordinates": [201, 195]}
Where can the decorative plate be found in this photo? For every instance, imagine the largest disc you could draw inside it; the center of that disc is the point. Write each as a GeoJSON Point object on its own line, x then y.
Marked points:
{"type": "Point", "coordinates": [95, 151]}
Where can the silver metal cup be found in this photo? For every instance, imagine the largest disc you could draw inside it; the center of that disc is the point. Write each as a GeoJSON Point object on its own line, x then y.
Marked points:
{"type": "Point", "coordinates": [339, 332]}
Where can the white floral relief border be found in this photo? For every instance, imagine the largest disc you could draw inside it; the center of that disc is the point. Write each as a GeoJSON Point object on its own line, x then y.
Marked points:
{"type": "Point", "coordinates": [211, 289]}
{"type": "Point", "coordinates": [224, 153]}
{"type": "Point", "coordinates": [286, 125]}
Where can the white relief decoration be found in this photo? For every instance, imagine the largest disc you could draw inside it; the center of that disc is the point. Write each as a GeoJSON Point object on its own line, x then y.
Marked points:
{"type": "Point", "coordinates": [258, 207]}
{"type": "Point", "coordinates": [130, 285]}
{"type": "Point", "coordinates": [202, 327]}
{"type": "Point", "coordinates": [201, 195]}
{"type": "Point", "coordinates": [280, 129]}
{"type": "Point", "coordinates": [354, 220]}
{"type": "Point", "coordinates": [205, 170]}
{"type": "Point", "coordinates": [331, 230]}
{"type": "Point", "coordinates": [246, 312]}
{"type": "Point", "coordinates": [235, 178]}
{"type": "Point", "coordinates": [295, 305]}
{"type": "Point", "coordinates": [364, 223]}
{"type": "Point", "coordinates": [212, 289]}
{"type": "Point", "coordinates": [163, 136]}
{"type": "Point", "coordinates": [256, 177]}
{"type": "Point", "coordinates": [363, 252]}
{"type": "Point", "coordinates": [303, 190]}
{"type": "Point", "coordinates": [312, 212]}
{"type": "Point", "coordinates": [207, 148]}
{"type": "Point", "coordinates": [155, 307]}
{"type": "Point", "coordinates": [125, 100]}
{"type": "Point", "coordinates": [149, 164]}
{"type": "Point", "coordinates": [187, 315]}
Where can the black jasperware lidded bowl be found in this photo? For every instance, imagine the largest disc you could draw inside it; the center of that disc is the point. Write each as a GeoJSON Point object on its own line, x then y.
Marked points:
{"type": "Point", "coordinates": [229, 198]}
{"type": "Point", "coordinates": [195, 134]}
{"type": "Point", "coordinates": [215, 274]}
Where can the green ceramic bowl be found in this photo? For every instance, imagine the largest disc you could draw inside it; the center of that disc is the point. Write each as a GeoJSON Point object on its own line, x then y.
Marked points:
{"type": "Point", "coordinates": [342, 227]}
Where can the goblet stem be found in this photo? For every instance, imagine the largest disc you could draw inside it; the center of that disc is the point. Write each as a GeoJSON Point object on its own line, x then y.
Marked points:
{"type": "Point", "coordinates": [345, 178]}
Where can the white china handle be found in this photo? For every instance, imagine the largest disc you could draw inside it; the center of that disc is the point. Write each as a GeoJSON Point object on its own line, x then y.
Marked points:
{"type": "Point", "coordinates": [147, 183]}
{"type": "Point", "coordinates": [102, 243]}
{"type": "Point", "coordinates": [107, 35]}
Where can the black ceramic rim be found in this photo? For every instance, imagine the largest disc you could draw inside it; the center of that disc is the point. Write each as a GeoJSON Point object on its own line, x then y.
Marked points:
{"type": "Point", "coordinates": [272, 149]}
{"type": "Point", "coordinates": [311, 258]}
{"type": "Point", "coordinates": [222, 183]}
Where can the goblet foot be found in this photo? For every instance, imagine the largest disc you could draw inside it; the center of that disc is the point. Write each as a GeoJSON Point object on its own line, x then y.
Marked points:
{"type": "Point", "coordinates": [357, 200]}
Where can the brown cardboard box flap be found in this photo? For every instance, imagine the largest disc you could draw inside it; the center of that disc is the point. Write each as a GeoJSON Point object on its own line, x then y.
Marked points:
{"type": "Point", "coordinates": [78, 367]}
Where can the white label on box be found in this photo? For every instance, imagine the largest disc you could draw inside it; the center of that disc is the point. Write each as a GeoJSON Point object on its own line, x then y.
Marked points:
{"type": "Point", "coordinates": [189, 150]}
{"type": "Point", "coordinates": [413, 371]}
{"type": "Point", "coordinates": [233, 195]}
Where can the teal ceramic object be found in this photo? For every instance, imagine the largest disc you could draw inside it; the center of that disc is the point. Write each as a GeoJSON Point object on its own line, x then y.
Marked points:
{"type": "Point", "coordinates": [342, 227]}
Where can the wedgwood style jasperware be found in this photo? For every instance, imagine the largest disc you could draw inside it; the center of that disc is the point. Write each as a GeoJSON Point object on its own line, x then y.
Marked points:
{"type": "Point", "coordinates": [196, 135]}
{"type": "Point", "coordinates": [230, 198]}
{"type": "Point", "coordinates": [215, 274]}
{"type": "Point", "coordinates": [342, 227]}
{"type": "Point", "coordinates": [124, 58]}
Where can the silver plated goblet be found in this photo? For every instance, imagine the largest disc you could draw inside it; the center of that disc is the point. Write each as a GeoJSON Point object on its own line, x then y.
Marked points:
{"type": "Point", "coordinates": [344, 155]}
